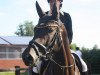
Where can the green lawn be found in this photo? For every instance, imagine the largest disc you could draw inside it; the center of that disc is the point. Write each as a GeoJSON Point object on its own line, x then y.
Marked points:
{"type": "Point", "coordinates": [12, 73]}
{"type": "Point", "coordinates": [7, 73]}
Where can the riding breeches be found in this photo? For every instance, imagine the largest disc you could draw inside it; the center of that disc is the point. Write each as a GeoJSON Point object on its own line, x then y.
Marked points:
{"type": "Point", "coordinates": [84, 66]}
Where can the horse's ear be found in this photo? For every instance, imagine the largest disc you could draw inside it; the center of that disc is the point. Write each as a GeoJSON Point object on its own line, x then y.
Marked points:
{"type": "Point", "coordinates": [54, 11]}
{"type": "Point", "coordinates": [39, 10]}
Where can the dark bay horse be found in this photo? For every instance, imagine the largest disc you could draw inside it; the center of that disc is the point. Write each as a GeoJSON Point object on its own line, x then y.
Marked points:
{"type": "Point", "coordinates": [50, 44]}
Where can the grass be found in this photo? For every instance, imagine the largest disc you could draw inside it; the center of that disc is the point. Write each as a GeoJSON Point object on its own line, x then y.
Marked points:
{"type": "Point", "coordinates": [12, 73]}
{"type": "Point", "coordinates": [7, 73]}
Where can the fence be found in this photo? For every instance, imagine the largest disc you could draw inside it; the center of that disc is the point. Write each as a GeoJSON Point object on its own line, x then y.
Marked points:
{"type": "Point", "coordinates": [24, 71]}
{"type": "Point", "coordinates": [16, 71]}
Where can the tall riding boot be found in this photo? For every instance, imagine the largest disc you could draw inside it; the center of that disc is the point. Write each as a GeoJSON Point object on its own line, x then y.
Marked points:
{"type": "Point", "coordinates": [85, 73]}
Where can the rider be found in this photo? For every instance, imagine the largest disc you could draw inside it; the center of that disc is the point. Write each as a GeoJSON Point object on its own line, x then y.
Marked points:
{"type": "Point", "coordinates": [66, 19]}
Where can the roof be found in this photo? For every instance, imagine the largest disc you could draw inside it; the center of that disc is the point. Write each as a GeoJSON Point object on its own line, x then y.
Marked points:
{"type": "Point", "coordinates": [3, 42]}
{"type": "Point", "coordinates": [15, 40]}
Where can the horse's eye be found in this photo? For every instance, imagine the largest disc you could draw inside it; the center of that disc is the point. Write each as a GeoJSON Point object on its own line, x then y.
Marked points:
{"type": "Point", "coordinates": [42, 24]}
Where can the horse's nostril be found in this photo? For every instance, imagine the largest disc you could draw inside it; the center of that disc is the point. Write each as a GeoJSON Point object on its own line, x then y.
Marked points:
{"type": "Point", "coordinates": [29, 57]}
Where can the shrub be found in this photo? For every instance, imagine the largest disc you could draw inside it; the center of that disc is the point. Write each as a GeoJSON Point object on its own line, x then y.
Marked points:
{"type": "Point", "coordinates": [92, 58]}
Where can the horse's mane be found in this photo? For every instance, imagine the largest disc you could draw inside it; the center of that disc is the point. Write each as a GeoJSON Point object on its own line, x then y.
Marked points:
{"type": "Point", "coordinates": [66, 46]}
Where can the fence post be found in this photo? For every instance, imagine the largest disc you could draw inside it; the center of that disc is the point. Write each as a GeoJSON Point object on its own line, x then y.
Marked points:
{"type": "Point", "coordinates": [29, 70]}
{"type": "Point", "coordinates": [17, 70]}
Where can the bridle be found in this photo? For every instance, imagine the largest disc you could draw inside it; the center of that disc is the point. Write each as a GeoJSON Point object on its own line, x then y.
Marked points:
{"type": "Point", "coordinates": [48, 50]}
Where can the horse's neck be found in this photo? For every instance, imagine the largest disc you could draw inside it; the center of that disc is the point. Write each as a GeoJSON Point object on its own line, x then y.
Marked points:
{"type": "Point", "coordinates": [66, 49]}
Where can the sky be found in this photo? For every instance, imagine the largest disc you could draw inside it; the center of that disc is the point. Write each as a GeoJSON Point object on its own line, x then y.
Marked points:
{"type": "Point", "coordinates": [85, 16]}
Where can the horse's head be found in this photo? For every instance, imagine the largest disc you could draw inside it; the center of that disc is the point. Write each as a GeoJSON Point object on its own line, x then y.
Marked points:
{"type": "Point", "coordinates": [46, 36]}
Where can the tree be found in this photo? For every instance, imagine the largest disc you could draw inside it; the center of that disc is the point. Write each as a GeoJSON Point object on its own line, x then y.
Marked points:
{"type": "Point", "coordinates": [26, 29]}
{"type": "Point", "coordinates": [73, 46]}
{"type": "Point", "coordinates": [95, 47]}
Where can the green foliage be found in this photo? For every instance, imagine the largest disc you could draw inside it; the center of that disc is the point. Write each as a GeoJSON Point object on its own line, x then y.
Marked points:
{"type": "Point", "coordinates": [83, 48]}
{"type": "Point", "coordinates": [25, 29]}
{"type": "Point", "coordinates": [92, 58]}
{"type": "Point", "coordinates": [95, 47]}
{"type": "Point", "coordinates": [73, 46]}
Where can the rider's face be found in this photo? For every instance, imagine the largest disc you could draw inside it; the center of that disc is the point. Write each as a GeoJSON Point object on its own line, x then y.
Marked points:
{"type": "Point", "coordinates": [52, 3]}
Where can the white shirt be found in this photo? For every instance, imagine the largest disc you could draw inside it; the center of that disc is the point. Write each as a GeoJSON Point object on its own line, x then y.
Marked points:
{"type": "Point", "coordinates": [79, 53]}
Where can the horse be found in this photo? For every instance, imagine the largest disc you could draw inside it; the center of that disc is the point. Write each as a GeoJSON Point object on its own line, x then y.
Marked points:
{"type": "Point", "coordinates": [50, 44]}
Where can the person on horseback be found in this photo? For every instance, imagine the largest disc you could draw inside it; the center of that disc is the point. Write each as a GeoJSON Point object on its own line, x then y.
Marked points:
{"type": "Point", "coordinates": [64, 17]}
{"type": "Point", "coordinates": [78, 52]}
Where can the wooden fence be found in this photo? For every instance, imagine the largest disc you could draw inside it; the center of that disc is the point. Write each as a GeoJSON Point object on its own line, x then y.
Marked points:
{"type": "Point", "coordinates": [18, 70]}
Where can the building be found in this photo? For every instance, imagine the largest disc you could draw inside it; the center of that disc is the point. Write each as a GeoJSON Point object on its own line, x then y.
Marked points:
{"type": "Point", "coordinates": [11, 48]}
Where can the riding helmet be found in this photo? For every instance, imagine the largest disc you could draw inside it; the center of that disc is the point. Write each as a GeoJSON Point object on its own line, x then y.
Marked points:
{"type": "Point", "coordinates": [49, 1]}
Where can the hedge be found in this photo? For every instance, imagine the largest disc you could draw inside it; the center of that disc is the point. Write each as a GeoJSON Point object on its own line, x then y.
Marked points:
{"type": "Point", "coordinates": [92, 58]}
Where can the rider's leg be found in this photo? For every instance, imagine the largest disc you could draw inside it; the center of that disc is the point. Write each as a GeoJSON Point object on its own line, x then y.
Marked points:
{"type": "Point", "coordinates": [36, 69]}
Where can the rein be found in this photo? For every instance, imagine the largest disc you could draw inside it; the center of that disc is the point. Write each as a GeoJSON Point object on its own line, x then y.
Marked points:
{"type": "Point", "coordinates": [61, 65]}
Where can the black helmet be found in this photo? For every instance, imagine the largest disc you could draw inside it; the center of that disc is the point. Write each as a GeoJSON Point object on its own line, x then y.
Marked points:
{"type": "Point", "coordinates": [49, 1]}
{"type": "Point", "coordinates": [77, 48]}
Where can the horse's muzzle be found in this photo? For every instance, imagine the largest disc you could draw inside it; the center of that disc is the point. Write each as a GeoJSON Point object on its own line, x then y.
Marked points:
{"type": "Point", "coordinates": [27, 59]}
